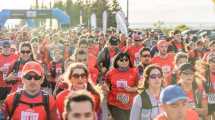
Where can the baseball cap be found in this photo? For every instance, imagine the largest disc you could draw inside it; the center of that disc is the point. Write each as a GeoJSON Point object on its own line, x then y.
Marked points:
{"type": "Point", "coordinates": [113, 40]}
{"type": "Point", "coordinates": [186, 66]}
{"type": "Point", "coordinates": [32, 66]}
{"type": "Point", "coordinates": [171, 94]}
{"type": "Point", "coordinates": [6, 44]}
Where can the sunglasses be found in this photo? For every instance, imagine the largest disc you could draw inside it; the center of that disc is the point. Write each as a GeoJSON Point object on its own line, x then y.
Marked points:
{"type": "Point", "coordinates": [25, 51]}
{"type": "Point", "coordinates": [29, 77]}
{"type": "Point", "coordinates": [147, 55]}
{"type": "Point", "coordinates": [154, 76]}
{"type": "Point", "coordinates": [123, 60]}
{"type": "Point", "coordinates": [76, 76]}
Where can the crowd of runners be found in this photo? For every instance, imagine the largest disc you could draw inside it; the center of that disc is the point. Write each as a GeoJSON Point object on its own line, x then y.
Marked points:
{"type": "Point", "coordinates": [89, 75]}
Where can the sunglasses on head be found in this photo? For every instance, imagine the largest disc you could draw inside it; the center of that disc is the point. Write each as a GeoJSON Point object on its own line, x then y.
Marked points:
{"type": "Point", "coordinates": [76, 75]}
{"type": "Point", "coordinates": [154, 76]}
{"type": "Point", "coordinates": [123, 60]}
{"type": "Point", "coordinates": [25, 51]}
{"type": "Point", "coordinates": [29, 77]}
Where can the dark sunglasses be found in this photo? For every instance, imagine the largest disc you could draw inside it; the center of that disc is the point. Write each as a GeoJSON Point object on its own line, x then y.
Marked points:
{"type": "Point", "coordinates": [29, 77]}
{"type": "Point", "coordinates": [123, 60]}
{"type": "Point", "coordinates": [25, 51]}
{"type": "Point", "coordinates": [154, 76]}
{"type": "Point", "coordinates": [147, 55]}
{"type": "Point", "coordinates": [83, 75]}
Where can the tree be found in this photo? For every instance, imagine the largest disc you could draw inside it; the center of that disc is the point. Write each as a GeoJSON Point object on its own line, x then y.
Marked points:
{"type": "Point", "coordinates": [182, 27]}
{"type": "Point", "coordinates": [73, 8]}
{"type": "Point", "coordinates": [59, 5]}
{"type": "Point", "coordinates": [114, 7]}
{"type": "Point", "coordinates": [158, 24]}
{"type": "Point", "coordinates": [99, 6]}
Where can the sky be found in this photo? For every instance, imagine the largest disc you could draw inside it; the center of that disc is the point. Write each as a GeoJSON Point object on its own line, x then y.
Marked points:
{"type": "Point", "coordinates": [170, 10]}
{"type": "Point", "coordinates": [149, 11]}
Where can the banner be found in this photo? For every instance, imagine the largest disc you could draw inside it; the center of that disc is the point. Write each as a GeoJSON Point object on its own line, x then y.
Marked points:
{"type": "Point", "coordinates": [104, 18]}
{"type": "Point", "coordinates": [121, 22]}
{"type": "Point", "coordinates": [93, 21]}
{"type": "Point", "coordinates": [81, 17]}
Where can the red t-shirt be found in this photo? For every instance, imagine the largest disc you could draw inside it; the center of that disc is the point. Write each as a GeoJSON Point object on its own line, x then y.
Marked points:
{"type": "Point", "coordinates": [190, 115]}
{"type": "Point", "coordinates": [5, 63]}
{"type": "Point", "coordinates": [134, 52]}
{"type": "Point", "coordinates": [166, 64]}
{"type": "Point", "coordinates": [61, 97]}
{"type": "Point", "coordinates": [25, 112]}
{"type": "Point", "coordinates": [119, 81]}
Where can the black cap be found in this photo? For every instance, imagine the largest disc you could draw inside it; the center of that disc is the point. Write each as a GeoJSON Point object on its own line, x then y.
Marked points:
{"type": "Point", "coordinates": [6, 44]}
{"type": "Point", "coordinates": [185, 66]}
{"type": "Point", "coordinates": [113, 40]}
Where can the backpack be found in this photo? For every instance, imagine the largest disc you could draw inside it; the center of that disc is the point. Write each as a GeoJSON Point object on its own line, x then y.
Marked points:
{"type": "Point", "coordinates": [146, 102]}
{"type": "Point", "coordinates": [17, 100]}
{"type": "Point", "coordinates": [15, 70]}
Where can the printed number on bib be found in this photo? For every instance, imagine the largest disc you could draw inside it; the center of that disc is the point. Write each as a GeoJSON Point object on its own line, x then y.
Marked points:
{"type": "Point", "coordinates": [123, 98]}
{"type": "Point", "coordinates": [211, 98]}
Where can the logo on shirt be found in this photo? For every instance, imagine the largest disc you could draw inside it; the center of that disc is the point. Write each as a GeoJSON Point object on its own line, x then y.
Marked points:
{"type": "Point", "coordinates": [28, 115]}
{"type": "Point", "coordinates": [121, 84]}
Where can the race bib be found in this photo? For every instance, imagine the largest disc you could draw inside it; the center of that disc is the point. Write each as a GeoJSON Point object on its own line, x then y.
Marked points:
{"type": "Point", "coordinates": [29, 115]}
{"type": "Point", "coordinates": [123, 98]}
{"type": "Point", "coordinates": [211, 98]}
{"type": "Point", "coordinates": [121, 84]}
{"type": "Point", "coordinates": [5, 69]}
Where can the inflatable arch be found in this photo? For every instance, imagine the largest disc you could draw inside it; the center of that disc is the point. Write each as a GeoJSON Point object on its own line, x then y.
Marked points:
{"type": "Point", "coordinates": [62, 18]}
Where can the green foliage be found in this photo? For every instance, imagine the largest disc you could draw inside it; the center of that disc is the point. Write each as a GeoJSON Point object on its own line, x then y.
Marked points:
{"type": "Point", "coordinates": [158, 24]}
{"type": "Point", "coordinates": [73, 8]}
{"type": "Point", "coordinates": [181, 27]}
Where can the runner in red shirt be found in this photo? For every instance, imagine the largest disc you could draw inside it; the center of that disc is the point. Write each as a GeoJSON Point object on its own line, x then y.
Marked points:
{"type": "Point", "coordinates": [15, 70]}
{"type": "Point", "coordinates": [173, 102]}
{"type": "Point", "coordinates": [172, 77]}
{"type": "Point", "coordinates": [164, 59]}
{"type": "Point", "coordinates": [134, 50]}
{"type": "Point", "coordinates": [6, 60]}
{"type": "Point", "coordinates": [123, 79]}
{"type": "Point", "coordinates": [77, 78]}
{"type": "Point", "coordinates": [31, 102]}
{"type": "Point", "coordinates": [177, 42]}
{"type": "Point", "coordinates": [79, 106]}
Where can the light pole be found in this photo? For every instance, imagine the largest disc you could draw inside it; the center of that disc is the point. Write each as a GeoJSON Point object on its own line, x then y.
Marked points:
{"type": "Point", "coordinates": [127, 13]}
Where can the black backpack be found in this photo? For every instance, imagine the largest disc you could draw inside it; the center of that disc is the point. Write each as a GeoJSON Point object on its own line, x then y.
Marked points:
{"type": "Point", "coordinates": [17, 100]}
